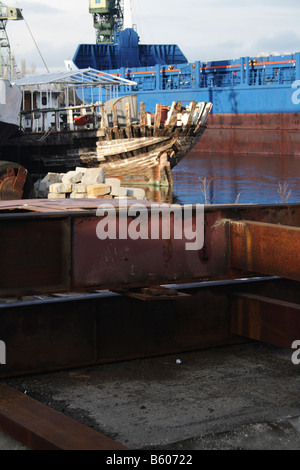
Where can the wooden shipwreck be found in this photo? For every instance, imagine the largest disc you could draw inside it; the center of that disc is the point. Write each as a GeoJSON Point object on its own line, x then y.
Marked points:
{"type": "Point", "coordinates": [129, 143]}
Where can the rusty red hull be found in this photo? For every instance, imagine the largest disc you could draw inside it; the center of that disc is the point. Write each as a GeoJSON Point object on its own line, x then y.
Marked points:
{"type": "Point", "coordinates": [266, 134]}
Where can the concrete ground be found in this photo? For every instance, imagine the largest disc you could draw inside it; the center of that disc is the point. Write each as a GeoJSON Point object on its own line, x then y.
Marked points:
{"type": "Point", "coordinates": [245, 396]}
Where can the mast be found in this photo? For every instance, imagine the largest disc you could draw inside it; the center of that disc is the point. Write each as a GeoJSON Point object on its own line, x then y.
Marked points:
{"type": "Point", "coordinates": [127, 14]}
{"type": "Point", "coordinates": [6, 14]}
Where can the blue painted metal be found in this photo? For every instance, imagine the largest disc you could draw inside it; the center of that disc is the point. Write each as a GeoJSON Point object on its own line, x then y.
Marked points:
{"type": "Point", "coordinates": [163, 74]}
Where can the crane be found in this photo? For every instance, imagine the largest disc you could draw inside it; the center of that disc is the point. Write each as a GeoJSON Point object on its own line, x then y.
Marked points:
{"type": "Point", "coordinates": [6, 14]}
{"type": "Point", "coordinates": [108, 19]}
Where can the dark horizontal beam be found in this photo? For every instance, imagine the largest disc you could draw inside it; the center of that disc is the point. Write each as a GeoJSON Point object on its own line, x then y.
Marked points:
{"type": "Point", "coordinates": [55, 334]}
{"type": "Point", "coordinates": [43, 336]}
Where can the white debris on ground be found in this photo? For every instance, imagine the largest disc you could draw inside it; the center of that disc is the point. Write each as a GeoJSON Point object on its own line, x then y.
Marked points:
{"type": "Point", "coordinates": [84, 183]}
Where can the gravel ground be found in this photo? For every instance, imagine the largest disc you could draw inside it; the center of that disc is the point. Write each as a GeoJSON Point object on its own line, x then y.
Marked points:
{"type": "Point", "coordinates": [245, 396]}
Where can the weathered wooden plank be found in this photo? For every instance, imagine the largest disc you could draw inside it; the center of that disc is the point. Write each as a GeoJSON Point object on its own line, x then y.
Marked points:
{"type": "Point", "coordinates": [198, 114]}
{"type": "Point", "coordinates": [104, 123]}
{"type": "Point", "coordinates": [115, 121]}
{"type": "Point", "coordinates": [157, 119]}
{"type": "Point", "coordinates": [172, 118]}
{"type": "Point", "coordinates": [42, 428]}
{"type": "Point", "coordinates": [204, 115]}
{"type": "Point", "coordinates": [115, 147]}
{"type": "Point", "coordinates": [143, 119]}
{"type": "Point", "coordinates": [128, 120]}
{"type": "Point", "coordinates": [191, 115]}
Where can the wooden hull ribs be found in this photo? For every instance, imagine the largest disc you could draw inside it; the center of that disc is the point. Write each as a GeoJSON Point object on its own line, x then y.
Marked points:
{"type": "Point", "coordinates": [140, 147]}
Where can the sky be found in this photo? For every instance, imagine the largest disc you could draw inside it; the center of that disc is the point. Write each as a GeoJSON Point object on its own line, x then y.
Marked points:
{"type": "Point", "coordinates": [204, 30]}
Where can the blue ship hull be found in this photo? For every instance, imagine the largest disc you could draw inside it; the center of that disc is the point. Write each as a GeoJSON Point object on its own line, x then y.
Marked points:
{"type": "Point", "coordinates": [275, 99]}
{"type": "Point", "coordinates": [263, 86]}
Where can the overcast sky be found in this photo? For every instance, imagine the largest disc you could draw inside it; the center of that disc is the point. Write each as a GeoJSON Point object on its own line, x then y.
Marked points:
{"type": "Point", "coordinates": [204, 30]}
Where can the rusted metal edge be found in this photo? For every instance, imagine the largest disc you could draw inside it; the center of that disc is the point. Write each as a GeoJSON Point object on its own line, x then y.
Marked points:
{"type": "Point", "coordinates": [66, 253]}
{"type": "Point", "coordinates": [71, 205]}
{"type": "Point", "coordinates": [71, 296]}
{"type": "Point", "coordinates": [264, 319]}
{"type": "Point", "coordinates": [39, 427]}
{"type": "Point", "coordinates": [265, 248]}
{"type": "Point", "coordinates": [152, 293]}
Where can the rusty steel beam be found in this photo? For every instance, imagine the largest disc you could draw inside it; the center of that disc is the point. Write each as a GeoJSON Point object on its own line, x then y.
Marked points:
{"type": "Point", "coordinates": [54, 334]}
{"type": "Point", "coordinates": [59, 334]}
{"type": "Point", "coordinates": [271, 321]}
{"type": "Point", "coordinates": [59, 251]}
{"type": "Point", "coordinates": [39, 427]}
{"type": "Point", "coordinates": [257, 247]}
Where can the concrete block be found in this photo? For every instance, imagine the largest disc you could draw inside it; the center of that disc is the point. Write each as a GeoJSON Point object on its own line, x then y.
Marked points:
{"type": "Point", "coordinates": [94, 176]}
{"type": "Point", "coordinates": [59, 188]}
{"type": "Point", "coordinates": [137, 193]}
{"type": "Point", "coordinates": [44, 189]}
{"type": "Point", "coordinates": [44, 186]}
{"type": "Point", "coordinates": [52, 178]}
{"type": "Point", "coordinates": [76, 195]}
{"type": "Point", "coordinates": [73, 177]}
{"type": "Point", "coordinates": [106, 196]}
{"type": "Point", "coordinates": [67, 178]}
{"type": "Point", "coordinates": [81, 169]}
{"type": "Point", "coordinates": [119, 192]}
{"type": "Point", "coordinates": [114, 184]}
{"type": "Point", "coordinates": [57, 196]}
{"type": "Point", "coordinates": [98, 189]}
{"type": "Point", "coordinates": [41, 189]}
{"type": "Point", "coordinates": [79, 188]}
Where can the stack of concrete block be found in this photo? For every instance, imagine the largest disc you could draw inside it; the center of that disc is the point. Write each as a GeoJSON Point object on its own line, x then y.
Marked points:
{"type": "Point", "coordinates": [84, 183]}
{"type": "Point", "coordinates": [42, 187]}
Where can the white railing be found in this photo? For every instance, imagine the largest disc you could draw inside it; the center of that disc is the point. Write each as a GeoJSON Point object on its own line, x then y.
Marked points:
{"type": "Point", "coordinates": [43, 120]}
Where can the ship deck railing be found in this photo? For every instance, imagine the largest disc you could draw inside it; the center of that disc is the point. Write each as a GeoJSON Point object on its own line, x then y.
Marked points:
{"type": "Point", "coordinates": [41, 120]}
{"type": "Point", "coordinates": [191, 76]}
